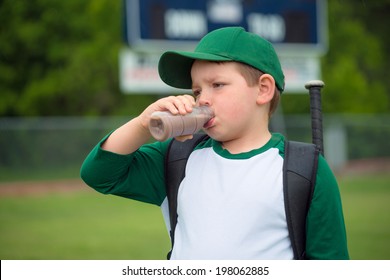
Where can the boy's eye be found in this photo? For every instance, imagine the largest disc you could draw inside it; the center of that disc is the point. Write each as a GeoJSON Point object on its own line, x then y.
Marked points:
{"type": "Point", "coordinates": [196, 92]}
{"type": "Point", "coordinates": [217, 85]}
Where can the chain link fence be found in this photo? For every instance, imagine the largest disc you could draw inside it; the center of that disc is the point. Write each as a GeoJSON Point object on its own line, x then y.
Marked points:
{"type": "Point", "coordinates": [55, 147]}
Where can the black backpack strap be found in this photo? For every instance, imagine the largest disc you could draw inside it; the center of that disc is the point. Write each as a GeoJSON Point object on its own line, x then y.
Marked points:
{"type": "Point", "coordinates": [175, 164]}
{"type": "Point", "coordinates": [299, 174]}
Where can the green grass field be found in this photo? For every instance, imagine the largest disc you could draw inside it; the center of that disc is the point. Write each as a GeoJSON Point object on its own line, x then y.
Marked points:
{"type": "Point", "coordinates": [87, 225]}
{"type": "Point", "coordinates": [366, 204]}
{"type": "Point", "coordinates": [80, 225]}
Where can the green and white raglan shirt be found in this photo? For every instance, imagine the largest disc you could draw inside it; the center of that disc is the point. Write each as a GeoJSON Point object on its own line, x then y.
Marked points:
{"type": "Point", "coordinates": [230, 206]}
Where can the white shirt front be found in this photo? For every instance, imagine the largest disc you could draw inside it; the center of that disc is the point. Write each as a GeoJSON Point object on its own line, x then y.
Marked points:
{"type": "Point", "coordinates": [232, 208]}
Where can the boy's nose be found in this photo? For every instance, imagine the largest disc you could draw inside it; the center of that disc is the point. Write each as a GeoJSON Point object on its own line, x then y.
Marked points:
{"type": "Point", "coordinates": [204, 98]}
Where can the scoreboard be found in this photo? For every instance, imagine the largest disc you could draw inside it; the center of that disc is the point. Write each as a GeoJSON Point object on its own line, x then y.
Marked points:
{"type": "Point", "coordinates": [296, 28]}
{"type": "Point", "coordinates": [291, 25]}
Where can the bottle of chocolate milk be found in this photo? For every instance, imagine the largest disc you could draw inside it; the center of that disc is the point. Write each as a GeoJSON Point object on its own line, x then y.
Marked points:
{"type": "Point", "coordinates": [164, 125]}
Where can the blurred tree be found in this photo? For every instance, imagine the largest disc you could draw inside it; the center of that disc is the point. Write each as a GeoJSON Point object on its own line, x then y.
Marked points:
{"type": "Point", "coordinates": [356, 61]}
{"type": "Point", "coordinates": [355, 67]}
{"type": "Point", "coordinates": [59, 57]}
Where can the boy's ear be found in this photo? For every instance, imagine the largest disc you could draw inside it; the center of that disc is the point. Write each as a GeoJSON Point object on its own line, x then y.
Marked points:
{"type": "Point", "coordinates": [266, 86]}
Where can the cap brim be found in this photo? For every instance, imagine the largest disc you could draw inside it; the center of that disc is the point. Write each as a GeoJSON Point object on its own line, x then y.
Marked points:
{"type": "Point", "coordinates": [174, 67]}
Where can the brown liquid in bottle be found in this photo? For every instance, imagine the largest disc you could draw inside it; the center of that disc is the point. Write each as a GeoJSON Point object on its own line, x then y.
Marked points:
{"type": "Point", "coordinates": [164, 125]}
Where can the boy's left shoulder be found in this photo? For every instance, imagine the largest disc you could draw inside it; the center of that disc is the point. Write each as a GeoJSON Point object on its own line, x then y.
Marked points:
{"type": "Point", "coordinates": [326, 176]}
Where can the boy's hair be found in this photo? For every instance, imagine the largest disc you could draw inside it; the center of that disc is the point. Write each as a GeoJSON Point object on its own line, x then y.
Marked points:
{"type": "Point", "coordinates": [252, 75]}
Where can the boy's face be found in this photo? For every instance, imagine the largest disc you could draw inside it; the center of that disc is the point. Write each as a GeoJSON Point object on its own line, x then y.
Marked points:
{"type": "Point", "coordinates": [222, 87]}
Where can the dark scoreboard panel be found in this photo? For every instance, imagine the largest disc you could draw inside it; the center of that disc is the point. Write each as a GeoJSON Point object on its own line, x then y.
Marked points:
{"type": "Point", "coordinates": [291, 25]}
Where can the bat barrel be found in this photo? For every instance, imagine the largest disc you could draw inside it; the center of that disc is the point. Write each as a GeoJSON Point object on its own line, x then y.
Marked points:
{"type": "Point", "coordinates": [314, 88]}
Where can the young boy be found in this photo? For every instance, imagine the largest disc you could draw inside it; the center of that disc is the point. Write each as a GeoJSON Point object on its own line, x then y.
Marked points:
{"type": "Point", "coordinates": [230, 203]}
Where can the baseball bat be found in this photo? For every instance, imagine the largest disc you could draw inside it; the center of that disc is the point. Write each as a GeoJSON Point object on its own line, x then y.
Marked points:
{"type": "Point", "coordinates": [314, 88]}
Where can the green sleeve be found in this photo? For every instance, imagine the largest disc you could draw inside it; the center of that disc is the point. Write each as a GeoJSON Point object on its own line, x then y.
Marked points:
{"type": "Point", "coordinates": [138, 176]}
{"type": "Point", "coordinates": [326, 235]}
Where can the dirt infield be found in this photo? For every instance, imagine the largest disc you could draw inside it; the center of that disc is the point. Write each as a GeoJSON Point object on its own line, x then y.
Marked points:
{"type": "Point", "coordinates": [366, 166]}
{"type": "Point", "coordinates": [28, 188]}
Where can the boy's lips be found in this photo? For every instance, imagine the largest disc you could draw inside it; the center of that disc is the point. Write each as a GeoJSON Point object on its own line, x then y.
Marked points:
{"type": "Point", "coordinates": [209, 123]}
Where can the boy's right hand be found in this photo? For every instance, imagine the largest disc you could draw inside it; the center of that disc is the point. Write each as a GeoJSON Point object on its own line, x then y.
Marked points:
{"type": "Point", "coordinates": [181, 104]}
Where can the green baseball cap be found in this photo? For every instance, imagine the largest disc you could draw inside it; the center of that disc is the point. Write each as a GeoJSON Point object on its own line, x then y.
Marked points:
{"type": "Point", "coordinates": [225, 44]}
